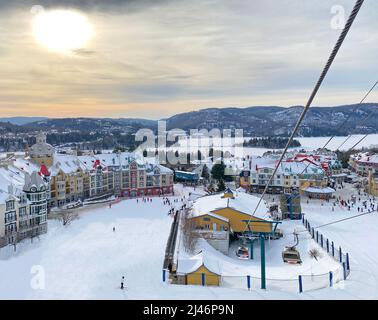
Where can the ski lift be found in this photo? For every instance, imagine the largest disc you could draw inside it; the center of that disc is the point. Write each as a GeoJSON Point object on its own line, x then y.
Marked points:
{"type": "Point", "coordinates": [291, 254]}
{"type": "Point", "coordinates": [242, 253]}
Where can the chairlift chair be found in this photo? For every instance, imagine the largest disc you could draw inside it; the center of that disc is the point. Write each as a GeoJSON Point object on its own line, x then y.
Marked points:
{"type": "Point", "coordinates": [291, 254]}
{"type": "Point", "coordinates": [242, 253]}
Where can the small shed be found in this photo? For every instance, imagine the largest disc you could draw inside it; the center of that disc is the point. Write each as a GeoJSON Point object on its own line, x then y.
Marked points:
{"type": "Point", "coordinates": [200, 269]}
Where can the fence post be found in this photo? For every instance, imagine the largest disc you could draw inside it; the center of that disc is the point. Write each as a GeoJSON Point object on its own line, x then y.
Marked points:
{"type": "Point", "coordinates": [340, 255]}
{"type": "Point", "coordinates": [249, 282]}
{"type": "Point", "coordinates": [163, 275]}
{"type": "Point", "coordinates": [347, 261]}
{"type": "Point", "coordinates": [321, 240]}
{"type": "Point", "coordinates": [313, 233]}
{"type": "Point", "coordinates": [344, 271]}
{"type": "Point", "coordinates": [330, 279]}
{"type": "Point", "coordinates": [203, 279]}
{"type": "Point", "coordinates": [327, 242]}
{"type": "Point", "coordinates": [333, 249]}
{"type": "Point", "coordinates": [300, 284]}
{"type": "Point", "coordinates": [317, 236]}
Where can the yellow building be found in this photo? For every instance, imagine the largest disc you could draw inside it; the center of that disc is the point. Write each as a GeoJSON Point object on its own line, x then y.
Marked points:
{"type": "Point", "coordinates": [230, 211]}
{"type": "Point", "coordinates": [307, 183]}
{"type": "Point", "coordinates": [201, 269]}
{"type": "Point", "coordinates": [373, 183]}
{"type": "Point", "coordinates": [66, 186]}
{"type": "Point", "coordinates": [238, 220]}
{"type": "Point", "coordinates": [245, 179]}
{"type": "Point", "coordinates": [210, 221]}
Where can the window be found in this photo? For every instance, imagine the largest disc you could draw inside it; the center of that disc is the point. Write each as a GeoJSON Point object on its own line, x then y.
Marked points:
{"type": "Point", "coordinates": [22, 211]}
{"type": "Point", "coordinates": [10, 205]}
{"type": "Point", "coordinates": [206, 219]}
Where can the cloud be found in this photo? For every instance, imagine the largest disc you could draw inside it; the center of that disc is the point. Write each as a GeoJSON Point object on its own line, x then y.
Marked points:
{"type": "Point", "coordinates": [113, 6]}
{"type": "Point", "coordinates": [156, 58]}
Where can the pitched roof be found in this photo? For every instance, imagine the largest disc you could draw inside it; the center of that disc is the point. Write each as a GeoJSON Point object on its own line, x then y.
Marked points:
{"type": "Point", "coordinates": [242, 202]}
{"type": "Point", "coordinates": [193, 263]}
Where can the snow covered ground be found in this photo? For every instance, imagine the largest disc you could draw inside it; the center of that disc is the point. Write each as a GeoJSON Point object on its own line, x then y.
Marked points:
{"type": "Point", "coordinates": [312, 143]}
{"type": "Point", "coordinates": [86, 259]}
{"type": "Point", "coordinates": [358, 236]}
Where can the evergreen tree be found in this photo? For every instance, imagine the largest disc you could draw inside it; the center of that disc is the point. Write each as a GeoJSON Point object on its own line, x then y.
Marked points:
{"type": "Point", "coordinates": [221, 186]}
{"type": "Point", "coordinates": [217, 171]}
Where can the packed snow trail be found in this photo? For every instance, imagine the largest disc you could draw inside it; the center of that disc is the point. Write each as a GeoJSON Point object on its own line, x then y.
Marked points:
{"type": "Point", "coordinates": [86, 259]}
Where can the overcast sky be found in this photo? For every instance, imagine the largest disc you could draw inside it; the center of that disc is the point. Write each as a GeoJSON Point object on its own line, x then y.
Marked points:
{"type": "Point", "coordinates": [155, 58]}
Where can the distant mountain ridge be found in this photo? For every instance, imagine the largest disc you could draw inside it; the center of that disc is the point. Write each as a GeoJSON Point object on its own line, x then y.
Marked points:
{"type": "Point", "coordinates": [21, 120]}
{"type": "Point", "coordinates": [255, 121]}
{"type": "Point", "coordinates": [280, 121]}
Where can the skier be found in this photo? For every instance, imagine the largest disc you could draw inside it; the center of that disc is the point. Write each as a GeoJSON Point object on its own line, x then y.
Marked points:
{"type": "Point", "coordinates": [122, 282]}
{"type": "Point", "coordinates": [113, 229]}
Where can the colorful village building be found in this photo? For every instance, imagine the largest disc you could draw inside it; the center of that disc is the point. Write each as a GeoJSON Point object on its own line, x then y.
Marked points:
{"type": "Point", "coordinates": [221, 216]}
{"type": "Point", "coordinates": [200, 269]}
{"type": "Point", "coordinates": [92, 177]}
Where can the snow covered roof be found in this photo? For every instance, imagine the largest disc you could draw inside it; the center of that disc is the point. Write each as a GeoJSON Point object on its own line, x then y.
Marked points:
{"type": "Point", "coordinates": [339, 175]}
{"type": "Point", "coordinates": [368, 159]}
{"type": "Point", "coordinates": [185, 266]}
{"type": "Point", "coordinates": [25, 164]}
{"type": "Point", "coordinates": [11, 175]}
{"type": "Point", "coordinates": [320, 190]}
{"type": "Point", "coordinates": [10, 178]}
{"type": "Point", "coordinates": [286, 167]}
{"type": "Point", "coordinates": [33, 180]}
{"type": "Point", "coordinates": [242, 202]}
{"type": "Point", "coordinates": [66, 163]}
{"type": "Point", "coordinates": [214, 215]}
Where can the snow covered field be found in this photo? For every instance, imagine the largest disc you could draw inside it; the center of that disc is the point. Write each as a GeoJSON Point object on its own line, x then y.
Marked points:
{"type": "Point", "coordinates": [312, 143]}
{"type": "Point", "coordinates": [86, 260]}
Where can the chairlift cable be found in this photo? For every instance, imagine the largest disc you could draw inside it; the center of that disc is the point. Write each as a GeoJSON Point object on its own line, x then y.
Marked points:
{"type": "Point", "coordinates": [344, 122]}
{"type": "Point", "coordinates": [341, 220]}
{"type": "Point", "coordinates": [330, 60]}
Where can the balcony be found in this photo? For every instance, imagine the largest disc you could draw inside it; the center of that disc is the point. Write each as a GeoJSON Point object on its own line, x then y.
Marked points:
{"type": "Point", "coordinates": [213, 235]}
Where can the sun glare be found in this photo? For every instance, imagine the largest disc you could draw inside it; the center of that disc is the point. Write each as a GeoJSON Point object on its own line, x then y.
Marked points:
{"type": "Point", "coordinates": [62, 30]}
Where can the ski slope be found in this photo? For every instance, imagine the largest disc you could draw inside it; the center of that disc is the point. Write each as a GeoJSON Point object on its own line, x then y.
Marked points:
{"type": "Point", "coordinates": [86, 259]}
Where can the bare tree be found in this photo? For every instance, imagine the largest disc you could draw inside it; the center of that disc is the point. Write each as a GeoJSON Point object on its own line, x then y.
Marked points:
{"type": "Point", "coordinates": [190, 235]}
{"type": "Point", "coordinates": [314, 253]}
{"type": "Point", "coordinates": [67, 216]}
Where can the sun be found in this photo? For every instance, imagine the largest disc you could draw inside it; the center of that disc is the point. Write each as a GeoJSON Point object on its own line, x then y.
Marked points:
{"type": "Point", "coordinates": [62, 31]}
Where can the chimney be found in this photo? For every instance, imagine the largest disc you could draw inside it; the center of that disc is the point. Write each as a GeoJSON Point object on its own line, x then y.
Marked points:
{"type": "Point", "coordinates": [10, 189]}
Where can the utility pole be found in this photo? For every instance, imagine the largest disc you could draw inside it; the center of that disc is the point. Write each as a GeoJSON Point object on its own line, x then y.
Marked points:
{"type": "Point", "coordinates": [262, 254]}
